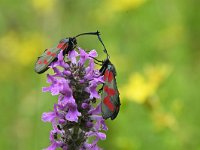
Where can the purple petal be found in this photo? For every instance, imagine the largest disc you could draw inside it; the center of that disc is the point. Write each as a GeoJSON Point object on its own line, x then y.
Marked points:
{"type": "Point", "coordinates": [50, 79]}
{"type": "Point", "coordinates": [99, 79]}
{"type": "Point", "coordinates": [48, 116]}
{"type": "Point", "coordinates": [60, 56]}
{"type": "Point", "coordinates": [93, 145]}
{"type": "Point", "coordinates": [83, 56]}
{"type": "Point", "coordinates": [103, 125]}
{"type": "Point", "coordinates": [100, 124]}
{"type": "Point", "coordinates": [90, 70]}
{"type": "Point", "coordinates": [67, 100]}
{"type": "Point", "coordinates": [72, 56]}
{"type": "Point", "coordinates": [64, 148]}
{"type": "Point", "coordinates": [72, 114]}
{"type": "Point", "coordinates": [46, 89]}
{"type": "Point", "coordinates": [67, 72]}
{"type": "Point", "coordinates": [85, 105]}
{"type": "Point", "coordinates": [93, 53]}
{"type": "Point", "coordinates": [54, 144]}
{"type": "Point", "coordinates": [96, 110]}
{"type": "Point", "coordinates": [101, 135]}
{"type": "Point", "coordinates": [55, 90]}
{"type": "Point", "coordinates": [61, 121]}
{"type": "Point", "coordinates": [57, 71]}
{"type": "Point", "coordinates": [89, 124]}
{"type": "Point", "coordinates": [92, 90]}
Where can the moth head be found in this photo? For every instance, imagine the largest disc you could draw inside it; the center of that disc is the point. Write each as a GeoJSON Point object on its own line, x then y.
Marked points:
{"type": "Point", "coordinates": [72, 42]}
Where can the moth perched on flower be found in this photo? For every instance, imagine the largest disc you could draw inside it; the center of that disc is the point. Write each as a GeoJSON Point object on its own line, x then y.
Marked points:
{"type": "Point", "coordinates": [75, 118]}
{"type": "Point", "coordinates": [110, 104]}
{"type": "Point", "coordinates": [50, 55]}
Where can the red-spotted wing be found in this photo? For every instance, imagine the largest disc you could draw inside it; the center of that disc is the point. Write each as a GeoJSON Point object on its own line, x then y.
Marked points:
{"type": "Point", "coordinates": [110, 95]}
{"type": "Point", "coordinates": [50, 55]}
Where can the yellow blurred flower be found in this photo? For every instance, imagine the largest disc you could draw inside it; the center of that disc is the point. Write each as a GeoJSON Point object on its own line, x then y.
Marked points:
{"type": "Point", "coordinates": [19, 51]}
{"type": "Point", "coordinates": [44, 5]}
{"type": "Point", "coordinates": [123, 5]}
{"type": "Point", "coordinates": [22, 51]}
{"type": "Point", "coordinates": [164, 120]}
{"type": "Point", "coordinates": [141, 87]}
{"type": "Point", "coordinates": [111, 7]}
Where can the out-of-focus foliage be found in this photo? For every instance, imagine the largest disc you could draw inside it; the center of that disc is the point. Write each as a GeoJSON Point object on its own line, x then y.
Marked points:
{"type": "Point", "coordinates": [154, 45]}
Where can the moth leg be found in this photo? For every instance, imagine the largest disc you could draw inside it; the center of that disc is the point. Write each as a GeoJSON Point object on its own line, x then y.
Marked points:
{"type": "Point", "coordinates": [101, 89]}
{"type": "Point", "coordinates": [97, 63]}
{"type": "Point", "coordinates": [55, 59]}
{"type": "Point", "coordinates": [94, 100]}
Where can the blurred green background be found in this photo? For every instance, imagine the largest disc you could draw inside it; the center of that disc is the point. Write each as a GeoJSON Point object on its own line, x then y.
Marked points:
{"type": "Point", "coordinates": [154, 45]}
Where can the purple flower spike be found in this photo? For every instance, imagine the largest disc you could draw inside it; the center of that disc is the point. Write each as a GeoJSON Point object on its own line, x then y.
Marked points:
{"type": "Point", "coordinates": [75, 117]}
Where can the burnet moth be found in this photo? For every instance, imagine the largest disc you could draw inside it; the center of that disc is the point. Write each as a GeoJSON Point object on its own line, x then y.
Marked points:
{"type": "Point", "coordinates": [50, 55]}
{"type": "Point", "coordinates": [110, 103]}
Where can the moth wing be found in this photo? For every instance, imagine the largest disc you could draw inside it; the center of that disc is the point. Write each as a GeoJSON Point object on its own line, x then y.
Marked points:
{"type": "Point", "coordinates": [105, 110]}
{"type": "Point", "coordinates": [110, 104]}
{"type": "Point", "coordinates": [46, 59]}
{"type": "Point", "coordinates": [115, 98]}
{"type": "Point", "coordinates": [63, 44]}
{"type": "Point", "coordinates": [110, 112]}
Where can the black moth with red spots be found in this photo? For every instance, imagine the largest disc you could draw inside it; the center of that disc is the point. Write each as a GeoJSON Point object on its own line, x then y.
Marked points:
{"type": "Point", "coordinates": [50, 55]}
{"type": "Point", "coordinates": [110, 103]}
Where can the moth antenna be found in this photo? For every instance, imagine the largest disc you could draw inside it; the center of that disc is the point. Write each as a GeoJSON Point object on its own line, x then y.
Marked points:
{"type": "Point", "coordinates": [88, 33]}
{"type": "Point", "coordinates": [105, 50]}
